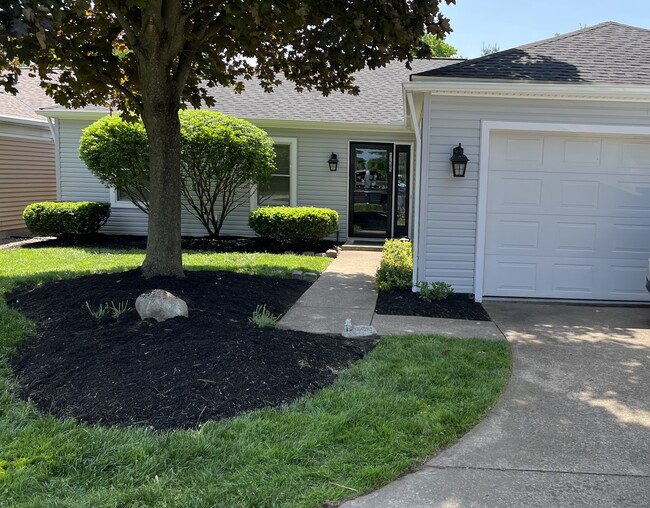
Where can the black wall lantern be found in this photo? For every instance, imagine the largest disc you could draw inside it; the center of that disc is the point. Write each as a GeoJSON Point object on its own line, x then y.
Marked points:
{"type": "Point", "coordinates": [459, 161]}
{"type": "Point", "coordinates": [333, 162]}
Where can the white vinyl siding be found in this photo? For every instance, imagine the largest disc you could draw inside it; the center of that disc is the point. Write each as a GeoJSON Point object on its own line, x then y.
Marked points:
{"type": "Point", "coordinates": [448, 222]}
{"type": "Point", "coordinates": [27, 175]}
{"type": "Point", "coordinates": [316, 184]}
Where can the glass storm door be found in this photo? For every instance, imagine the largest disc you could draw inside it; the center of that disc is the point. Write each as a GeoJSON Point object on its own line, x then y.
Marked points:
{"type": "Point", "coordinates": [370, 189]}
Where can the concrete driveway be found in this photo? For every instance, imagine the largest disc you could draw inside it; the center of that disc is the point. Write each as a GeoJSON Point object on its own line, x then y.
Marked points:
{"type": "Point", "coordinates": [571, 429]}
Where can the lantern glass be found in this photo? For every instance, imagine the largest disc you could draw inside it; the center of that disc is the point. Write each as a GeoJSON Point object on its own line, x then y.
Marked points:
{"type": "Point", "coordinates": [333, 162]}
{"type": "Point", "coordinates": [459, 161]}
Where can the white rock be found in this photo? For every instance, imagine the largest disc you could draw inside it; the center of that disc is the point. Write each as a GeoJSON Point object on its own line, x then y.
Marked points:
{"type": "Point", "coordinates": [160, 305]}
{"type": "Point", "coordinates": [331, 253]}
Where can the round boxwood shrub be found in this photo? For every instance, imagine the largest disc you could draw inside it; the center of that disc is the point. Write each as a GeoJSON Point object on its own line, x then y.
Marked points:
{"type": "Point", "coordinates": [66, 218]}
{"type": "Point", "coordinates": [300, 226]}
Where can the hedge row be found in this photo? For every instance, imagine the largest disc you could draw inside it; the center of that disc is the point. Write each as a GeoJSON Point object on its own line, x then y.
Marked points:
{"type": "Point", "coordinates": [66, 218]}
{"type": "Point", "coordinates": [294, 225]}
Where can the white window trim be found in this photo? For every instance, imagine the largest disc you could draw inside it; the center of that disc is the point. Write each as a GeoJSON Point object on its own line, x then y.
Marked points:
{"type": "Point", "coordinates": [293, 171]}
{"type": "Point", "coordinates": [490, 126]}
{"type": "Point", "coordinates": [115, 203]}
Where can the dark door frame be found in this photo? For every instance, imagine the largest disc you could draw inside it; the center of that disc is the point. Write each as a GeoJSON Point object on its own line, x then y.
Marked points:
{"type": "Point", "coordinates": [351, 187]}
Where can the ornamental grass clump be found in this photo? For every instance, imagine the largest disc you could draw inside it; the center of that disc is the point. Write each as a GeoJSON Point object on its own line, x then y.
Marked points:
{"type": "Point", "coordinates": [263, 318]}
{"type": "Point", "coordinates": [301, 226]}
{"type": "Point", "coordinates": [396, 267]}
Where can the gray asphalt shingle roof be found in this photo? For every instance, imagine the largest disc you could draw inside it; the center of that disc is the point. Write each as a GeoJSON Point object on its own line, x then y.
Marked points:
{"type": "Point", "coordinates": [609, 53]}
{"type": "Point", "coordinates": [379, 102]}
{"type": "Point", "coordinates": [380, 99]}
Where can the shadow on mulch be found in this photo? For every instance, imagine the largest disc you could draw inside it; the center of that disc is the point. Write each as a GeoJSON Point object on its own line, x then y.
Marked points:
{"type": "Point", "coordinates": [407, 303]}
{"type": "Point", "coordinates": [221, 244]}
{"type": "Point", "coordinates": [175, 374]}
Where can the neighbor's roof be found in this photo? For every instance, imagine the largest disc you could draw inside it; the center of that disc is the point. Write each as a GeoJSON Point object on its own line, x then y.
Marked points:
{"type": "Point", "coordinates": [608, 53]}
{"type": "Point", "coordinates": [30, 97]}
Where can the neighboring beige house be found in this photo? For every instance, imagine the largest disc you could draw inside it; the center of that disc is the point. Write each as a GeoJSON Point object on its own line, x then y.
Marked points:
{"type": "Point", "coordinates": [27, 156]}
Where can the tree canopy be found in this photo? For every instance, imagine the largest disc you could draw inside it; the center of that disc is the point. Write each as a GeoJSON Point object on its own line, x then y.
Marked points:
{"type": "Point", "coordinates": [152, 57]}
{"type": "Point", "coordinates": [439, 48]}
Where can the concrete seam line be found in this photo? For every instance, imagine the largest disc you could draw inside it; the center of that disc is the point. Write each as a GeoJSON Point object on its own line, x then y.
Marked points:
{"type": "Point", "coordinates": [551, 471]}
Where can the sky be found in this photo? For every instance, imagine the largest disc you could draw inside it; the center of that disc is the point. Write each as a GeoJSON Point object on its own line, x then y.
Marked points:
{"type": "Point", "coordinates": [511, 23]}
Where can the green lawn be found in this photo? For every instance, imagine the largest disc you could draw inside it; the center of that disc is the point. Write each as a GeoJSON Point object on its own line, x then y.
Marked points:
{"type": "Point", "coordinates": [407, 399]}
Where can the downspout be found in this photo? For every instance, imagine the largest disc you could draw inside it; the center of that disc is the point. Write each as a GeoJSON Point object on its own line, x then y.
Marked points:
{"type": "Point", "coordinates": [416, 185]}
{"type": "Point", "coordinates": [54, 129]}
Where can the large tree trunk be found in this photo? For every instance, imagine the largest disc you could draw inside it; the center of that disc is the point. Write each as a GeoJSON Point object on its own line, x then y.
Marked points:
{"type": "Point", "coordinates": [160, 117]}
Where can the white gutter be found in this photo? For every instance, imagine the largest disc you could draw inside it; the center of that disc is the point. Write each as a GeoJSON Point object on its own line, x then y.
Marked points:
{"type": "Point", "coordinates": [397, 127]}
{"type": "Point", "coordinates": [416, 184]}
{"type": "Point", "coordinates": [23, 121]}
{"type": "Point", "coordinates": [531, 89]}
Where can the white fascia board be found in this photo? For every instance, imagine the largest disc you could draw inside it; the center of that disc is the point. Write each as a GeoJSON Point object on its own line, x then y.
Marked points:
{"type": "Point", "coordinates": [328, 126]}
{"type": "Point", "coordinates": [73, 114]}
{"type": "Point", "coordinates": [42, 124]}
{"type": "Point", "coordinates": [401, 127]}
{"type": "Point", "coordinates": [532, 90]}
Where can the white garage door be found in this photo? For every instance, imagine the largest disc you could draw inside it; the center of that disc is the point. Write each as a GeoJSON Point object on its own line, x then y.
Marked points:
{"type": "Point", "coordinates": [568, 216]}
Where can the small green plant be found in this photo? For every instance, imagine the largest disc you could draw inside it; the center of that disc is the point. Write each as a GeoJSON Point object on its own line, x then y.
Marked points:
{"type": "Point", "coordinates": [119, 309]}
{"type": "Point", "coordinates": [396, 267]}
{"type": "Point", "coordinates": [435, 291]}
{"type": "Point", "coordinates": [263, 318]}
{"type": "Point", "coordinates": [100, 312]}
{"type": "Point", "coordinates": [108, 308]}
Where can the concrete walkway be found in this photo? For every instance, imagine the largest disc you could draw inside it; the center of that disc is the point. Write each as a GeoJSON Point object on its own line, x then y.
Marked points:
{"type": "Point", "coordinates": [571, 429]}
{"type": "Point", "coordinates": [346, 290]}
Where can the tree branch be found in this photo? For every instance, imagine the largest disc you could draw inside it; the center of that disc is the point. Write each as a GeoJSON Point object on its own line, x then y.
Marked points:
{"type": "Point", "coordinates": [124, 23]}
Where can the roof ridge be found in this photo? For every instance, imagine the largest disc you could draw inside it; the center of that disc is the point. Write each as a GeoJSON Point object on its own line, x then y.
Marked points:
{"type": "Point", "coordinates": [575, 33]}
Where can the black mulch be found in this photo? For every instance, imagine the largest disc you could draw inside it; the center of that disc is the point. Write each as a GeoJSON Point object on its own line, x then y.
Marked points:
{"type": "Point", "coordinates": [221, 244]}
{"type": "Point", "coordinates": [175, 374]}
{"type": "Point", "coordinates": [407, 303]}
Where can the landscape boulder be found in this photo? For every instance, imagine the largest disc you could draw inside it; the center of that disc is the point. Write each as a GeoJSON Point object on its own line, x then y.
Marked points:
{"type": "Point", "coordinates": [160, 305]}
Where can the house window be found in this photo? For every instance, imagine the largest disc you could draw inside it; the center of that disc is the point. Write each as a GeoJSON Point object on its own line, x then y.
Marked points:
{"type": "Point", "coordinates": [281, 188]}
{"type": "Point", "coordinates": [120, 199]}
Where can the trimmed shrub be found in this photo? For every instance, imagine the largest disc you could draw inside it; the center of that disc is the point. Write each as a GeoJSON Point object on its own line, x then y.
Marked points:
{"type": "Point", "coordinates": [223, 160]}
{"type": "Point", "coordinates": [396, 267]}
{"type": "Point", "coordinates": [66, 218]}
{"type": "Point", "coordinates": [299, 226]}
{"type": "Point", "coordinates": [117, 153]}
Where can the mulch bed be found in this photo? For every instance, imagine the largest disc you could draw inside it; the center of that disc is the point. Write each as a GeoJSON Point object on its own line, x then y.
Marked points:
{"type": "Point", "coordinates": [221, 244]}
{"type": "Point", "coordinates": [178, 373]}
{"type": "Point", "coordinates": [407, 303]}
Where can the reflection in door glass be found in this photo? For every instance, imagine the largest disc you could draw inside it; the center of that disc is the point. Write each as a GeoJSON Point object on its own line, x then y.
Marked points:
{"type": "Point", "coordinates": [402, 186]}
{"type": "Point", "coordinates": [371, 190]}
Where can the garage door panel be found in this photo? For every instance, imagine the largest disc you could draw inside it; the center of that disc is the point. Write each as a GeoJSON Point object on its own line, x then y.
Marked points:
{"type": "Point", "coordinates": [573, 222]}
{"type": "Point", "coordinates": [557, 236]}
{"type": "Point", "coordinates": [578, 278]}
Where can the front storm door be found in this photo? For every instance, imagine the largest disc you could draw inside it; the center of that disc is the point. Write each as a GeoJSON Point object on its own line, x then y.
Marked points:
{"type": "Point", "coordinates": [370, 189]}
